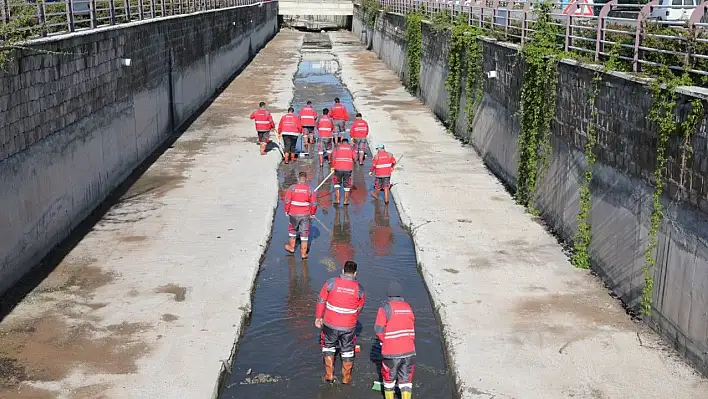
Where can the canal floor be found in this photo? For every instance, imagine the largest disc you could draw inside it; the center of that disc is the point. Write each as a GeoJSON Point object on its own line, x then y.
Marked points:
{"type": "Point", "coordinates": [279, 354]}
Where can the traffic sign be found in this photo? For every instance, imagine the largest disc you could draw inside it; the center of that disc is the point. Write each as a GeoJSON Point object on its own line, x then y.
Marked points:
{"type": "Point", "coordinates": [583, 8]}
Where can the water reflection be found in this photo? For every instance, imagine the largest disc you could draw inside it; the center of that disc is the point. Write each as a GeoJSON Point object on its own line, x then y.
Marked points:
{"type": "Point", "coordinates": [381, 232]}
{"type": "Point", "coordinates": [341, 244]}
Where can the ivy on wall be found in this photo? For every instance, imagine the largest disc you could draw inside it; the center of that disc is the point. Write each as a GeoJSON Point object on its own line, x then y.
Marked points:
{"type": "Point", "coordinates": [464, 63]}
{"type": "Point", "coordinates": [663, 113]}
{"type": "Point", "coordinates": [537, 113]}
{"type": "Point", "coordinates": [538, 105]}
{"type": "Point", "coordinates": [370, 9]}
{"type": "Point", "coordinates": [414, 43]}
{"type": "Point", "coordinates": [22, 26]}
{"type": "Point", "coordinates": [583, 237]}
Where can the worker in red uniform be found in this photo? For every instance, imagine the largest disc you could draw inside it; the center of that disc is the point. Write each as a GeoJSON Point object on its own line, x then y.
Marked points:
{"type": "Point", "coordinates": [343, 163]}
{"type": "Point", "coordinates": [395, 330]}
{"type": "Point", "coordinates": [308, 118]}
{"type": "Point", "coordinates": [325, 130]}
{"type": "Point", "coordinates": [381, 167]}
{"type": "Point", "coordinates": [300, 207]}
{"type": "Point", "coordinates": [340, 245]}
{"type": "Point", "coordinates": [341, 116]}
{"type": "Point", "coordinates": [338, 307]}
{"type": "Point", "coordinates": [264, 124]}
{"type": "Point", "coordinates": [290, 128]}
{"type": "Point", "coordinates": [359, 132]}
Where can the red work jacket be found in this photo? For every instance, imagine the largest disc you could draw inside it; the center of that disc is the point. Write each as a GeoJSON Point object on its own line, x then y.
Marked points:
{"type": "Point", "coordinates": [339, 112]}
{"type": "Point", "coordinates": [343, 158]}
{"type": "Point", "coordinates": [308, 116]}
{"type": "Point", "coordinates": [300, 200]}
{"type": "Point", "coordinates": [359, 129]}
{"type": "Point", "coordinates": [264, 120]}
{"type": "Point", "coordinates": [325, 126]}
{"type": "Point", "coordinates": [382, 164]}
{"type": "Point", "coordinates": [290, 125]}
{"type": "Point", "coordinates": [395, 328]}
{"type": "Point", "coordinates": [340, 302]}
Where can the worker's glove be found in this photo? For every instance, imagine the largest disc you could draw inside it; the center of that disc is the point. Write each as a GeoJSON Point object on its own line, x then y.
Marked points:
{"type": "Point", "coordinates": [371, 173]}
{"type": "Point", "coordinates": [331, 170]}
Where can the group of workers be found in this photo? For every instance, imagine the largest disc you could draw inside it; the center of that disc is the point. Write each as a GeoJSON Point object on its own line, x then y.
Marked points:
{"type": "Point", "coordinates": [339, 304]}
{"type": "Point", "coordinates": [342, 298]}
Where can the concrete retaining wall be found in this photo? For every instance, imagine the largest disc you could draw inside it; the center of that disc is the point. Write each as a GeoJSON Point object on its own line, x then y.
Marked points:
{"type": "Point", "coordinates": [74, 123]}
{"type": "Point", "coordinates": [621, 190]}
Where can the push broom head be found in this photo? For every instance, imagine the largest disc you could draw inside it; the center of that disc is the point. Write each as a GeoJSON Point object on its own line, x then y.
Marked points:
{"type": "Point", "coordinates": [376, 386]}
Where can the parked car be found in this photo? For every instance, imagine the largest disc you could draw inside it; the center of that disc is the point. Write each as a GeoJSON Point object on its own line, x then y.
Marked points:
{"type": "Point", "coordinates": [674, 10]}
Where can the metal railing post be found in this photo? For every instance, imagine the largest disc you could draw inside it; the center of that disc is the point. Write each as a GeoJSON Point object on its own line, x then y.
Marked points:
{"type": "Point", "coordinates": [600, 35]}
{"type": "Point", "coordinates": [524, 22]}
{"type": "Point", "coordinates": [112, 12]}
{"type": "Point", "coordinates": [92, 13]}
{"type": "Point", "coordinates": [141, 12]}
{"type": "Point", "coordinates": [152, 8]}
{"type": "Point", "coordinates": [643, 13]}
{"type": "Point", "coordinates": [162, 8]}
{"type": "Point", "coordinates": [568, 22]}
{"type": "Point", "coordinates": [126, 6]}
{"type": "Point", "coordinates": [695, 18]}
{"type": "Point", "coordinates": [69, 15]}
{"type": "Point", "coordinates": [42, 18]}
{"type": "Point", "coordinates": [4, 11]}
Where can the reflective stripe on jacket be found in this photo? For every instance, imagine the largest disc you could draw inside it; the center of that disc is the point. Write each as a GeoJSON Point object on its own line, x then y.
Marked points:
{"type": "Point", "coordinates": [359, 129]}
{"type": "Point", "coordinates": [382, 164]}
{"type": "Point", "coordinates": [264, 120]}
{"type": "Point", "coordinates": [343, 157]}
{"type": "Point", "coordinates": [340, 302]}
{"type": "Point", "coordinates": [308, 116]}
{"type": "Point", "coordinates": [300, 200]}
{"type": "Point", "coordinates": [325, 126]}
{"type": "Point", "coordinates": [289, 124]}
{"type": "Point", "coordinates": [395, 328]}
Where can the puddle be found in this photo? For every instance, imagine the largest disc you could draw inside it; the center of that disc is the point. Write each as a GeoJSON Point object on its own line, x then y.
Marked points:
{"type": "Point", "coordinates": [281, 341]}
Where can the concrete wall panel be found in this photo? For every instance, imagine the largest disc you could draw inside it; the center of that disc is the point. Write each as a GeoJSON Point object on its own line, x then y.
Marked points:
{"type": "Point", "coordinates": [75, 123]}
{"type": "Point", "coordinates": [622, 184]}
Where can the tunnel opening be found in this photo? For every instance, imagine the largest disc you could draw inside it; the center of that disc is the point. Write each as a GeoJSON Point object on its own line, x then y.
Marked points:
{"type": "Point", "coordinates": [278, 354]}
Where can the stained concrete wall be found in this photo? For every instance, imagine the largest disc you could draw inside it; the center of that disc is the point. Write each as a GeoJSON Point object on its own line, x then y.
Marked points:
{"type": "Point", "coordinates": [317, 22]}
{"type": "Point", "coordinates": [74, 122]}
{"type": "Point", "coordinates": [622, 185]}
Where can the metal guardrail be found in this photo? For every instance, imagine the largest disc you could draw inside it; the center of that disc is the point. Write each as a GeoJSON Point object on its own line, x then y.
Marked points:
{"type": "Point", "coordinates": [41, 18]}
{"type": "Point", "coordinates": [590, 30]}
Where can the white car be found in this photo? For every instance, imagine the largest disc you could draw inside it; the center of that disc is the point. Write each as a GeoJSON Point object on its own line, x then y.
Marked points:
{"type": "Point", "coordinates": [674, 10]}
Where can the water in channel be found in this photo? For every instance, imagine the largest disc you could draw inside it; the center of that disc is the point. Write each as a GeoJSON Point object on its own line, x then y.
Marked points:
{"type": "Point", "coordinates": [279, 354]}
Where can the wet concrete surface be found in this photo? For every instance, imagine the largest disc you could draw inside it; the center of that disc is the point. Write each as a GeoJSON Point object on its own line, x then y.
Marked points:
{"type": "Point", "coordinates": [279, 354]}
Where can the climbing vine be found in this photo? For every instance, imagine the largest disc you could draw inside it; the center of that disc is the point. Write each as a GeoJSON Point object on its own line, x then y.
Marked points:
{"type": "Point", "coordinates": [464, 61]}
{"type": "Point", "coordinates": [414, 42]}
{"type": "Point", "coordinates": [538, 104]}
{"type": "Point", "coordinates": [370, 8]}
{"type": "Point", "coordinates": [22, 26]}
{"type": "Point", "coordinates": [663, 114]}
{"type": "Point", "coordinates": [583, 237]}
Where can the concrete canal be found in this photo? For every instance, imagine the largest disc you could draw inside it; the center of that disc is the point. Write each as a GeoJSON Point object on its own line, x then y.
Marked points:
{"type": "Point", "coordinates": [279, 354]}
